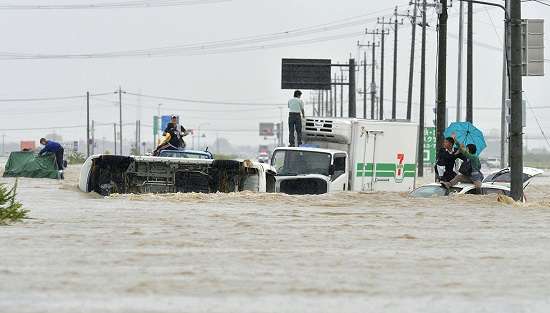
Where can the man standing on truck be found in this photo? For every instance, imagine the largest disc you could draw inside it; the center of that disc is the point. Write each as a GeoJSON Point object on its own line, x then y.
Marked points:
{"type": "Point", "coordinates": [55, 148]}
{"type": "Point", "coordinates": [296, 112]}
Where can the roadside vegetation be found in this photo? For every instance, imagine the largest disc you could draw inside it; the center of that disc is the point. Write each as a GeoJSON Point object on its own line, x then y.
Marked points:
{"type": "Point", "coordinates": [77, 158]}
{"type": "Point", "coordinates": [537, 159]}
{"type": "Point", "coordinates": [10, 209]}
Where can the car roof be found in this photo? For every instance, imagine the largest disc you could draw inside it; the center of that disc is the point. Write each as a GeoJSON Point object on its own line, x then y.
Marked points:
{"type": "Point", "coordinates": [467, 186]}
{"type": "Point", "coordinates": [333, 151]}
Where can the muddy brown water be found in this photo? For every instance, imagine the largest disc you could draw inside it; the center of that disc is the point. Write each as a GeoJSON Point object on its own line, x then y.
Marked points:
{"type": "Point", "coordinates": [246, 252]}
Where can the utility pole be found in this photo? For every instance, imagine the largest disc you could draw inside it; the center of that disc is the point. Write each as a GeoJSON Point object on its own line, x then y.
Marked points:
{"type": "Point", "coordinates": [442, 75]}
{"type": "Point", "coordinates": [136, 138]}
{"type": "Point", "coordinates": [373, 45]}
{"type": "Point", "coordinates": [341, 93]}
{"type": "Point", "coordinates": [93, 137]}
{"type": "Point", "coordinates": [364, 84]}
{"type": "Point", "coordinates": [420, 152]}
{"type": "Point", "coordinates": [318, 102]}
{"type": "Point", "coordinates": [411, 64]}
{"type": "Point", "coordinates": [383, 35]}
{"type": "Point", "coordinates": [396, 24]}
{"type": "Point", "coordinates": [505, 87]}
{"type": "Point", "coordinates": [335, 95]}
{"type": "Point", "coordinates": [120, 117]}
{"type": "Point", "coordinates": [460, 58]}
{"type": "Point", "coordinates": [114, 128]}
{"type": "Point", "coordinates": [373, 78]}
{"type": "Point", "coordinates": [373, 82]}
{"type": "Point", "coordinates": [394, 90]}
{"type": "Point", "coordinates": [516, 88]}
{"type": "Point", "coordinates": [327, 113]}
{"type": "Point", "coordinates": [359, 45]}
{"type": "Point", "coordinates": [87, 124]}
{"type": "Point", "coordinates": [352, 92]}
{"type": "Point", "coordinates": [469, 64]}
{"type": "Point", "coordinates": [3, 144]}
{"type": "Point", "coordinates": [330, 101]}
{"type": "Point", "coordinates": [322, 110]}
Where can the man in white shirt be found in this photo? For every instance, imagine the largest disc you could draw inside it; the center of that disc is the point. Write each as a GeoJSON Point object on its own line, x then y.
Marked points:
{"type": "Point", "coordinates": [296, 112]}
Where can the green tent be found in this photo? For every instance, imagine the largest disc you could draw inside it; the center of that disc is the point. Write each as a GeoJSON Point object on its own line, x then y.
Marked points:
{"type": "Point", "coordinates": [27, 164]}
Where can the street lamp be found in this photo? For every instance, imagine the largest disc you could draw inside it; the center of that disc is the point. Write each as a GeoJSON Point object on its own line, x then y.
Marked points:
{"type": "Point", "coordinates": [157, 126]}
{"type": "Point", "coordinates": [199, 134]}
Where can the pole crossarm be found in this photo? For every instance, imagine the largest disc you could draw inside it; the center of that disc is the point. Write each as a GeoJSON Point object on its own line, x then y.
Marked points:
{"type": "Point", "coordinates": [489, 4]}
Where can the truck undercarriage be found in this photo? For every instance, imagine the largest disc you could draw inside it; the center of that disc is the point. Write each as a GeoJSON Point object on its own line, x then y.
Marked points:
{"type": "Point", "coordinates": [119, 174]}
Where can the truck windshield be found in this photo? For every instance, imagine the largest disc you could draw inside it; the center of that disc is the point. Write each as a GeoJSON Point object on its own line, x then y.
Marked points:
{"type": "Point", "coordinates": [291, 162]}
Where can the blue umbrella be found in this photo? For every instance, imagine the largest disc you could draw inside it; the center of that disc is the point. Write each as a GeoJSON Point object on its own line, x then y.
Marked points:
{"type": "Point", "coordinates": [466, 133]}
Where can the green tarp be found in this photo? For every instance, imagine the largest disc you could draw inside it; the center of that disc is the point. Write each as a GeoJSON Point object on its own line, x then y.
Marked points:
{"type": "Point", "coordinates": [27, 164]}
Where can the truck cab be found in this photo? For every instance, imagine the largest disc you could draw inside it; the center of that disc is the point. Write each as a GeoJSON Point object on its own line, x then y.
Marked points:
{"type": "Point", "coordinates": [306, 170]}
{"type": "Point", "coordinates": [349, 154]}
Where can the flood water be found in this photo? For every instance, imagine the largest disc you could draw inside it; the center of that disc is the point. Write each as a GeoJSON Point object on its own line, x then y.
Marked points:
{"type": "Point", "coordinates": [246, 252]}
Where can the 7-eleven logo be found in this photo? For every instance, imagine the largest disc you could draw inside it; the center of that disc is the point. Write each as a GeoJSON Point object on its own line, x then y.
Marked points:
{"type": "Point", "coordinates": [400, 168]}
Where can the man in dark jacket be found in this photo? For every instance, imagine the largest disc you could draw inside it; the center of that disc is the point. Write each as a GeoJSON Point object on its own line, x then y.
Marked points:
{"type": "Point", "coordinates": [446, 159]}
{"type": "Point", "coordinates": [55, 148]}
{"type": "Point", "coordinates": [177, 132]}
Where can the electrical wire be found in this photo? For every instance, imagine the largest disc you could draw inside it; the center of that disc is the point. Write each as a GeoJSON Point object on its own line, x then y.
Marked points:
{"type": "Point", "coordinates": [52, 98]}
{"type": "Point", "coordinates": [191, 51]}
{"type": "Point", "coordinates": [540, 2]}
{"type": "Point", "coordinates": [201, 48]}
{"type": "Point", "coordinates": [539, 125]}
{"type": "Point", "coordinates": [109, 5]}
{"type": "Point", "coordinates": [203, 101]}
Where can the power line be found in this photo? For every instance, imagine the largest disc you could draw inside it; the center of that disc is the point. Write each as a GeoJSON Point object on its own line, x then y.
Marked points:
{"type": "Point", "coordinates": [109, 5]}
{"type": "Point", "coordinates": [539, 125]}
{"type": "Point", "coordinates": [222, 111]}
{"type": "Point", "coordinates": [539, 2]}
{"type": "Point", "coordinates": [170, 52]}
{"type": "Point", "coordinates": [64, 127]}
{"type": "Point", "coordinates": [51, 98]}
{"type": "Point", "coordinates": [203, 101]}
{"type": "Point", "coordinates": [223, 46]}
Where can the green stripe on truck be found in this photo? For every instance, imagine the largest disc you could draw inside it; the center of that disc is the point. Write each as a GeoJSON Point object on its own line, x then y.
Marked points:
{"type": "Point", "coordinates": [384, 170]}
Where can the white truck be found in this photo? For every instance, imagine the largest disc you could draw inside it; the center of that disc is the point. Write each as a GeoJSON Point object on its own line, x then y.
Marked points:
{"type": "Point", "coordinates": [348, 154]}
{"type": "Point", "coordinates": [107, 174]}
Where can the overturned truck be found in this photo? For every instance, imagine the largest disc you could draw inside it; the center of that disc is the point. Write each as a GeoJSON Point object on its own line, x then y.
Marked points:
{"type": "Point", "coordinates": [107, 174]}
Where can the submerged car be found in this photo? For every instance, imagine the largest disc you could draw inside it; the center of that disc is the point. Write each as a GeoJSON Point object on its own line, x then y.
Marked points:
{"type": "Point", "coordinates": [495, 183]}
{"type": "Point", "coordinates": [263, 157]}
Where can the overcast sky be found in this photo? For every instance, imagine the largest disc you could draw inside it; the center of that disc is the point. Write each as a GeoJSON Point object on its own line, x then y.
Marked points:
{"type": "Point", "coordinates": [230, 74]}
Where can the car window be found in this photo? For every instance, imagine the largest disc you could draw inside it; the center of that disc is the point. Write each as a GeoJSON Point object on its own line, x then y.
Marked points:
{"type": "Point", "coordinates": [429, 192]}
{"type": "Point", "coordinates": [183, 155]}
{"type": "Point", "coordinates": [503, 177]}
{"type": "Point", "coordinates": [339, 166]}
{"type": "Point", "coordinates": [495, 191]}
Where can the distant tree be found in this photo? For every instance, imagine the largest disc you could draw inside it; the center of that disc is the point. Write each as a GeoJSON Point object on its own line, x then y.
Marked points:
{"type": "Point", "coordinates": [134, 151]}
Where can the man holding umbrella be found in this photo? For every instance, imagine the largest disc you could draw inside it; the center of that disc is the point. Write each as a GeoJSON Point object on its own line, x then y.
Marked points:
{"type": "Point", "coordinates": [471, 143]}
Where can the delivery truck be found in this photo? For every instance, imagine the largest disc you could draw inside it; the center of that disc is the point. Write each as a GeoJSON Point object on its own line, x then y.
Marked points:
{"type": "Point", "coordinates": [348, 154]}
